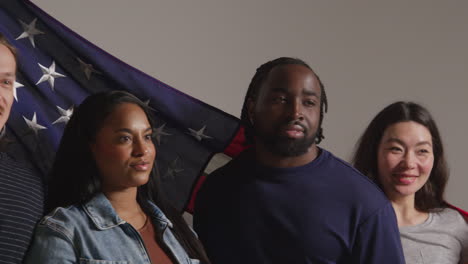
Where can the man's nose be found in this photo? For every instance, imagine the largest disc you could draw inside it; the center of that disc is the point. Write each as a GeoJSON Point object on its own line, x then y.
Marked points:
{"type": "Point", "coordinates": [296, 110]}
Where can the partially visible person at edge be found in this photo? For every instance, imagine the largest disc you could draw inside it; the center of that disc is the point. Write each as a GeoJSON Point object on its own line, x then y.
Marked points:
{"type": "Point", "coordinates": [106, 192]}
{"type": "Point", "coordinates": [286, 200]}
{"type": "Point", "coordinates": [21, 187]}
{"type": "Point", "coordinates": [401, 150]}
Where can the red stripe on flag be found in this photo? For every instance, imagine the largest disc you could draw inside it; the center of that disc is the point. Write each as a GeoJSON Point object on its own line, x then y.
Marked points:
{"type": "Point", "coordinates": [236, 146]}
{"type": "Point", "coordinates": [461, 211]}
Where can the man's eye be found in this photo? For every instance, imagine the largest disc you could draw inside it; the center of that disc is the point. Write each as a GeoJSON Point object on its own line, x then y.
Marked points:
{"type": "Point", "coordinates": [124, 139]}
{"type": "Point", "coordinates": [7, 82]}
{"type": "Point", "coordinates": [280, 99]}
{"type": "Point", "coordinates": [310, 103]}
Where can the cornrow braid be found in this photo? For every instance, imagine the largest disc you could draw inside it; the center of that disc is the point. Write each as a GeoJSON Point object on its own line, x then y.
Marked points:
{"type": "Point", "coordinates": [254, 87]}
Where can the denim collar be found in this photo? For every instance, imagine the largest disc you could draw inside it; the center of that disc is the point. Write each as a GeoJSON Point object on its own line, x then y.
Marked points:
{"type": "Point", "coordinates": [103, 215]}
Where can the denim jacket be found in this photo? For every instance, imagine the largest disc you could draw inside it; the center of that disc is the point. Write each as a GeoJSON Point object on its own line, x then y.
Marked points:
{"type": "Point", "coordinates": [93, 233]}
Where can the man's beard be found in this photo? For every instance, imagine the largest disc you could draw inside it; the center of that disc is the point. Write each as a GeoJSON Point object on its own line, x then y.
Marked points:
{"type": "Point", "coordinates": [283, 146]}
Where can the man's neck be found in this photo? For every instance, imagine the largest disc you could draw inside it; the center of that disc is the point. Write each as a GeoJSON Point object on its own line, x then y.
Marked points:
{"type": "Point", "coordinates": [270, 159]}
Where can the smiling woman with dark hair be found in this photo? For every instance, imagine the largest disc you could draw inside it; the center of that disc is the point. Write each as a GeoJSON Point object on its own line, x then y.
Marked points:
{"type": "Point", "coordinates": [401, 150]}
{"type": "Point", "coordinates": [105, 191]}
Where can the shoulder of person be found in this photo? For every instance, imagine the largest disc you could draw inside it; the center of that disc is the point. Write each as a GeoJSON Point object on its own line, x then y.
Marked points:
{"type": "Point", "coordinates": [23, 174]}
{"type": "Point", "coordinates": [357, 188]}
{"type": "Point", "coordinates": [64, 219]}
{"type": "Point", "coordinates": [223, 179]}
{"type": "Point", "coordinates": [13, 160]}
{"type": "Point", "coordinates": [349, 172]}
{"type": "Point", "coordinates": [221, 176]}
{"type": "Point", "coordinates": [233, 166]}
{"type": "Point", "coordinates": [451, 216]}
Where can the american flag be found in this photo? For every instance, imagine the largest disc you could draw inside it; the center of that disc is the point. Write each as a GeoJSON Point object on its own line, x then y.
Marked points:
{"type": "Point", "coordinates": [57, 69]}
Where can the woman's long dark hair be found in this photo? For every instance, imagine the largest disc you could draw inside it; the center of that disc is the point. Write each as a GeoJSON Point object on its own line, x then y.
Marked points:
{"type": "Point", "coordinates": [75, 178]}
{"type": "Point", "coordinates": [431, 195]}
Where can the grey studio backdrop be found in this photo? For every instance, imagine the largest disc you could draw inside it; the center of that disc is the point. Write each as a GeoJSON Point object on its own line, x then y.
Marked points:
{"type": "Point", "coordinates": [368, 54]}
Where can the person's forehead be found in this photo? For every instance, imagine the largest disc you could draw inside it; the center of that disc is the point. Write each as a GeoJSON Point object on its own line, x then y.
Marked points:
{"type": "Point", "coordinates": [6, 54]}
{"type": "Point", "coordinates": [287, 74]}
{"type": "Point", "coordinates": [125, 112]}
{"type": "Point", "coordinates": [5, 50]}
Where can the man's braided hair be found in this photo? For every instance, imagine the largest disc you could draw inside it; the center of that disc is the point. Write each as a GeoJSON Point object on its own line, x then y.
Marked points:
{"type": "Point", "coordinates": [254, 88]}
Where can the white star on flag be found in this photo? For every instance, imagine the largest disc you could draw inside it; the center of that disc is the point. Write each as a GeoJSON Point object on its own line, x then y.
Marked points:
{"type": "Point", "coordinates": [49, 75]}
{"type": "Point", "coordinates": [158, 132]}
{"type": "Point", "coordinates": [199, 135]}
{"type": "Point", "coordinates": [88, 69]}
{"type": "Point", "coordinates": [16, 86]}
{"type": "Point", "coordinates": [33, 125]}
{"type": "Point", "coordinates": [64, 115]}
{"type": "Point", "coordinates": [173, 169]}
{"type": "Point", "coordinates": [29, 31]}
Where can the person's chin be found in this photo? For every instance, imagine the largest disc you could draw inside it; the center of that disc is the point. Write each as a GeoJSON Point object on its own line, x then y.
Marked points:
{"type": "Point", "coordinates": [406, 190]}
{"type": "Point", "coordinates": [140, 178]}
{"type": "Point", "coordinates": [290, 147]}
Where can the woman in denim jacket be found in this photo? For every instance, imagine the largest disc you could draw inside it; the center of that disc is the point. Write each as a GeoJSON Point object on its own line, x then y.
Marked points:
{"type": "Point", "coordinates": [104, 188]}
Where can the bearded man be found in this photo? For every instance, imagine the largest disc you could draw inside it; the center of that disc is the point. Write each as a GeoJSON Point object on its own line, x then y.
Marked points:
{"type": "Point", "coordinates": [285, 200]}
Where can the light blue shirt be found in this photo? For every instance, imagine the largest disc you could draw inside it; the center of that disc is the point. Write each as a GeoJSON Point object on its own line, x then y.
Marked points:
{"type": "Point", "coordinates": [94, 233]}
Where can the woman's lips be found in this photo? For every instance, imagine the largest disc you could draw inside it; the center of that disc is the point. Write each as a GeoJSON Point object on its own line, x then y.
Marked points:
{"type": "Point", "coordinates": [140, 166]}
{"type": "Point", "coordinates": [405, 179]}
